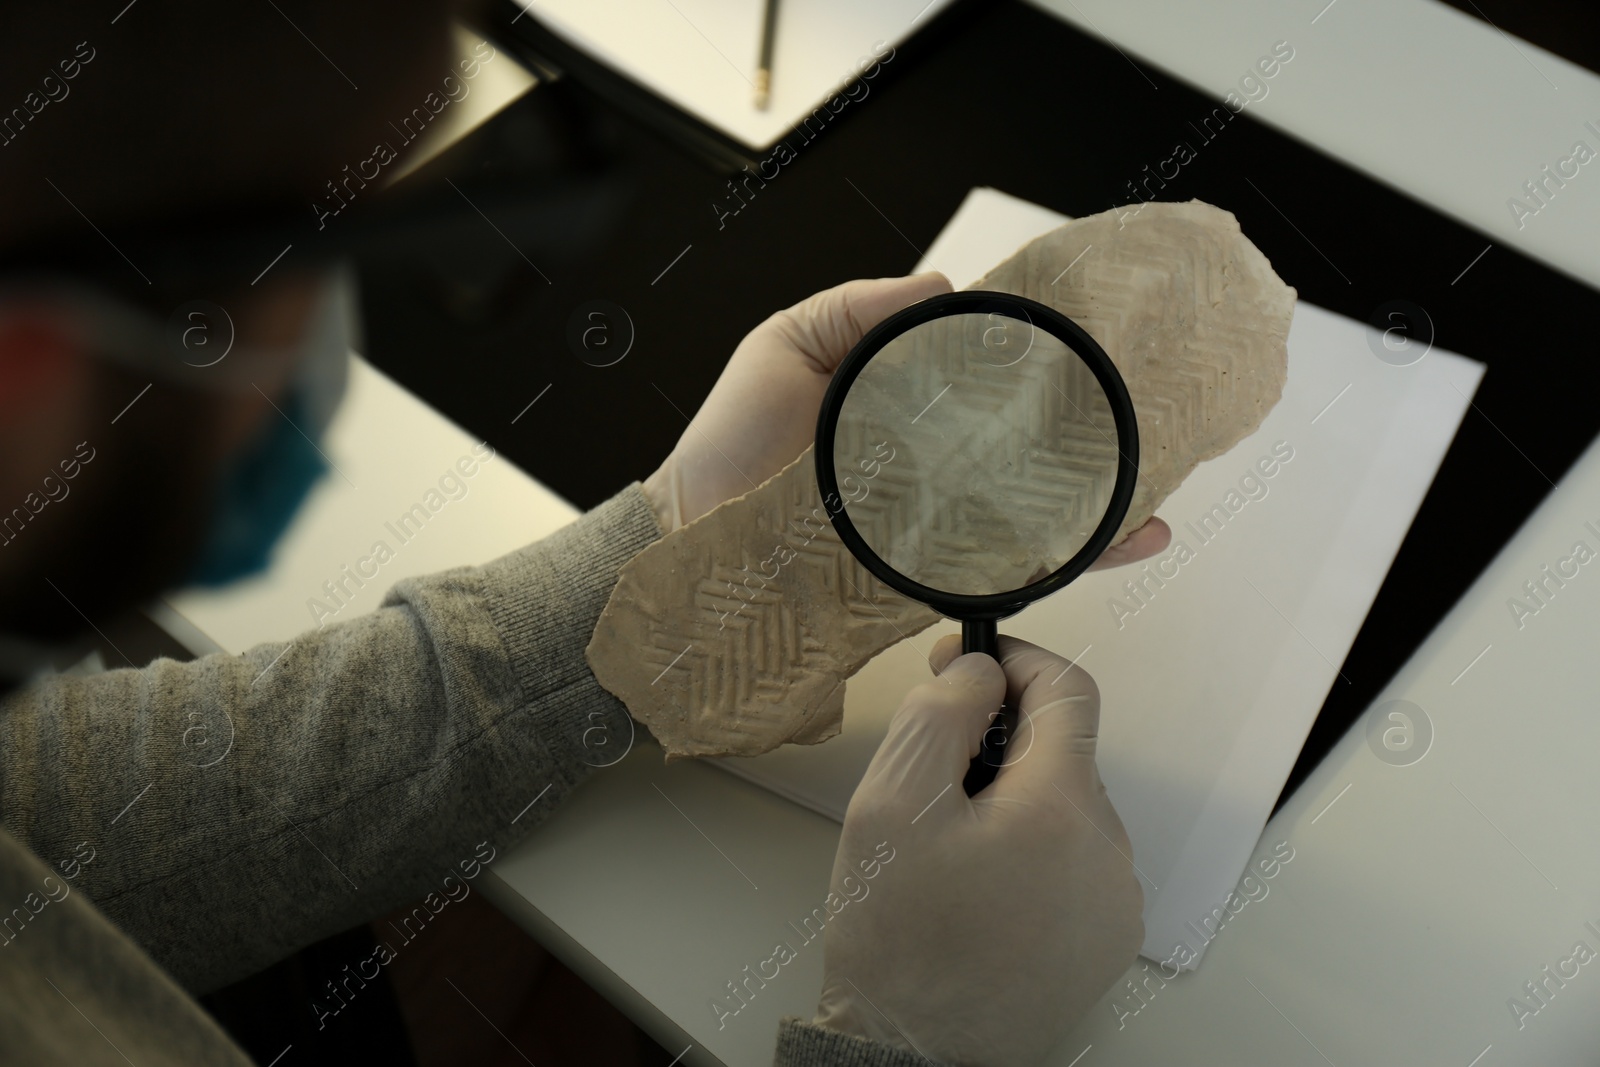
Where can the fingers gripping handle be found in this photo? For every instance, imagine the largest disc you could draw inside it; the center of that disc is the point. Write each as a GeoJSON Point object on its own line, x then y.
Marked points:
{"type": "Point", "coordinates": [981, 636]}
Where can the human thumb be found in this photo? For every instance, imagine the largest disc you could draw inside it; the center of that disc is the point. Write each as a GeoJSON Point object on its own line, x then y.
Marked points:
{"type": "Point", "coordinates": [826, 325]}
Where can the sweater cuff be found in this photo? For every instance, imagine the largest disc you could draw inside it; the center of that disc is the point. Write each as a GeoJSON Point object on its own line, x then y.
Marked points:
{"type": "Point", "coordinates": [801, 1044]}
{"type": "Point", "coordinates": [546, 600]}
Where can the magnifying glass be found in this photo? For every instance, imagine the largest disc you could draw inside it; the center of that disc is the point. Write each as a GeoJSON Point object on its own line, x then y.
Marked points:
{"type": "Point", "coordinates": [977, 451]}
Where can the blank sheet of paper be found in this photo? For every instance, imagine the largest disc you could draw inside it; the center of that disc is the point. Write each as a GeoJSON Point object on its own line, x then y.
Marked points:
{"type": "Point", "coordinates": [1213, 664]}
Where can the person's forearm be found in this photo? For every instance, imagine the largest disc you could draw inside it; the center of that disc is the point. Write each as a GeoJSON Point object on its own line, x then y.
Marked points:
{"type": "Point", "coordinates": [238, 807]}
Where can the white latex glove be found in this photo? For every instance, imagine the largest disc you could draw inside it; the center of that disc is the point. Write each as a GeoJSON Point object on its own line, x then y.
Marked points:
{"type": "Point", "coordinates": [762, 412]}
{"type": "Point", "coordinates": [1000, 919]}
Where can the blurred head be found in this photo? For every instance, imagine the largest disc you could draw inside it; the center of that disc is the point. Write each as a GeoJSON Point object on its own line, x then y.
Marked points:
{"type": "Point", "coordinates": [178, 110]}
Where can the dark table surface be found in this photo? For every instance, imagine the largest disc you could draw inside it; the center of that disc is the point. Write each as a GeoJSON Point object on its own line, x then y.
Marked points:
{"type": "Point", "coordinates": [475, 319]}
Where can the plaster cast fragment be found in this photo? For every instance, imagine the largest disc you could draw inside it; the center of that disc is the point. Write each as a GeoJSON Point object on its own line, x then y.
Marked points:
{"type": "Point", "coordinates": [736, 633]}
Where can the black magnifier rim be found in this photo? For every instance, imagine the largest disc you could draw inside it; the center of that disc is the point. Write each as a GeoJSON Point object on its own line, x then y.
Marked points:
{"type": "Point", "coordinates": [977, 606]}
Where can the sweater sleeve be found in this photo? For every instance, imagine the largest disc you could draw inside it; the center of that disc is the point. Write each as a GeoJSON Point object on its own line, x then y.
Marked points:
{"type": "Point", "coordinates": [238, 807]}
{"type": "Point", "coordinates": [800, 1044]}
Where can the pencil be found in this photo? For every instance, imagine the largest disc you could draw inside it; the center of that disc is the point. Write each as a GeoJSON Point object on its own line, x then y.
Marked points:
{"type": "Point", "coordinates": [769, 30]}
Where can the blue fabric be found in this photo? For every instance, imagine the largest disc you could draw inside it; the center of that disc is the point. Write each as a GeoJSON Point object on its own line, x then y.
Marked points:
{"type": "Point", "coordinates": [258, 497]}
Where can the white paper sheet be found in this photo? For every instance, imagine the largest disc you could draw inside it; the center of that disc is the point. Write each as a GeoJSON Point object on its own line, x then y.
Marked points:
{"type": "Point", "coordinates": [701, 54]}
{"type": "Point", "coordinates": [1211, 679]}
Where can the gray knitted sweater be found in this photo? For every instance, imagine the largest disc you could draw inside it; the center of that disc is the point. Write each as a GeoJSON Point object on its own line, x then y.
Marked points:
{"type": "Point", "coordinates": [367, 758]}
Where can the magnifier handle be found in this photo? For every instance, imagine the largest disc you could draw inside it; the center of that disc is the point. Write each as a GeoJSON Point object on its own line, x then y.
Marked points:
{"type": "Point", "coordinates": [982, 636]}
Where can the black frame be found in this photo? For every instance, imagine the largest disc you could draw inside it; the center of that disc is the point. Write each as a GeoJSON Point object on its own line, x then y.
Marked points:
{"type": "Point", "coordinates": [986, 606]}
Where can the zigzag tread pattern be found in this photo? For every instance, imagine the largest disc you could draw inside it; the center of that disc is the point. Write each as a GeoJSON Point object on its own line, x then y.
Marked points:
{"type": "Point", "coordinates": [1210, 362]}
{"type": "Point", "coordinates": [735, 634]}
{"type": "Point", "coordinates": [1000, 467]}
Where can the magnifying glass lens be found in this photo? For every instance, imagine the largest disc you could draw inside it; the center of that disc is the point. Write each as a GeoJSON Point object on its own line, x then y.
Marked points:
{"type": "Point", "coordinates": [976, 453]}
